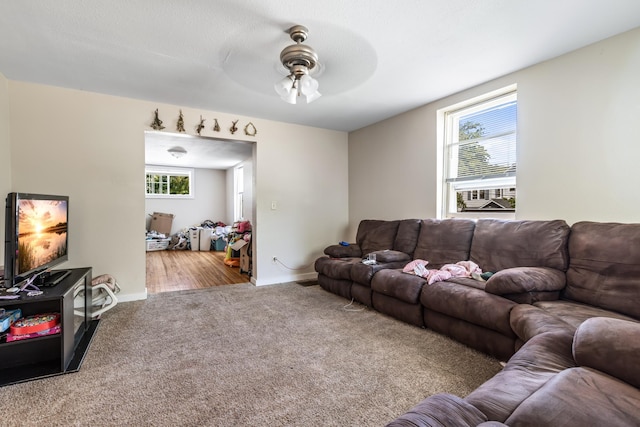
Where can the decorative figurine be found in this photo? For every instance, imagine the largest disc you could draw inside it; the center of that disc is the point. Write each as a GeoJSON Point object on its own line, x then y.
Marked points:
{"type": "Point", "coordinates": [180, 124]}
{"type": "Point", "coordinates": [157, 123]}
{"type": "Point", "coordinates": [200, 126]}
{"type": "Point", "coordinates": [233, 127]}
{"type": "Point", "coordinates": [250, 129]}
{"type": "Point", "coordinates": [216, 126]}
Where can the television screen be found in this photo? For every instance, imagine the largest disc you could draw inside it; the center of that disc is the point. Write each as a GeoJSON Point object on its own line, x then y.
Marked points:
{"type": "Point", "coordinates": [37, 233]}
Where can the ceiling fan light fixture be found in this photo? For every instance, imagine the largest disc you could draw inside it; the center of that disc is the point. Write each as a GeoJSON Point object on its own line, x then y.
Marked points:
{"type": "Point", "coordinates": [309, 88]}
{"type": "Point", "coordinates": [284, 86]}
{"type": "Point", "coordinates": [299, 59]}
{"type": "Point", "coordinates": [312, 97]}
{"type": "Point", "coordinates": [292, 96]}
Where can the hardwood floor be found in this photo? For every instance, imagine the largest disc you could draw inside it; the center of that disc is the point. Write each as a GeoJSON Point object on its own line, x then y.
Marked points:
{"type": "Point", "coordinates": [181, 270]}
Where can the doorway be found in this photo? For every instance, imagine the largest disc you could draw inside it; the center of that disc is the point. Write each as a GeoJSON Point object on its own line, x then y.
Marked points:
{"type": "Point", "coordinates": [209, 199]}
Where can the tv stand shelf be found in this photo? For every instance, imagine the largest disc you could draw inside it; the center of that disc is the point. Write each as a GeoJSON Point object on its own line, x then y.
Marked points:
{"type": "Point", "coordinates": [53, 354]}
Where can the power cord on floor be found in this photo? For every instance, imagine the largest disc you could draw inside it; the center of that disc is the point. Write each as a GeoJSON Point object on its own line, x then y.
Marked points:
{"type": "Point", "coordinates": [349, 306]}
{"type": "Point", "coordinates": [277, 261]}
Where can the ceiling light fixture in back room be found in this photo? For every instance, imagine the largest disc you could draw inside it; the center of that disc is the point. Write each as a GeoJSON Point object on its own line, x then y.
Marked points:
{"type": "Point", "coordinates": [300, 60]}
{"type": "Point", "coordinates": [177, 152]}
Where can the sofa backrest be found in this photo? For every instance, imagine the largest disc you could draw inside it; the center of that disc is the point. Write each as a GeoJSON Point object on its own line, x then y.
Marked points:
{"type": "Point", "coordinates": [407, 236]}
{"type": "Point", "coordinates": [604, 268]}
{"type": "Point", "coordinates": [501, 244]}
{"type": "Point", "coordinates": [444, 241]}
{"type": "Point", "coordinates": [376, 235]}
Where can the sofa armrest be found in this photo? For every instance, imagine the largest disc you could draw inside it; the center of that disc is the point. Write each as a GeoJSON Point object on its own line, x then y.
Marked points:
{"type": "Point", "coordinates": [389, 255]}
{"type": "Point", "coordinates": [610, 346]}
{"type": "Point", "coordinates": [339, 251]}
{"type": "Point", "coordinates": [521, 280]}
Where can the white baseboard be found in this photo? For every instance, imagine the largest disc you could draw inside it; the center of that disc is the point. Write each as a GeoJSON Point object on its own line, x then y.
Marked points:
{"type": "Point", "coordinates": [285, 279]}
{"type": "Point", "coordinates": [132, 297]}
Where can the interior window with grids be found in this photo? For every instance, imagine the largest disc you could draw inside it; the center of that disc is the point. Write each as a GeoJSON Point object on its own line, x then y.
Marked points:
{"type": "Point", "coordinates": [169, 182]}
{"type": "Point", "coordinates": [480, 158]}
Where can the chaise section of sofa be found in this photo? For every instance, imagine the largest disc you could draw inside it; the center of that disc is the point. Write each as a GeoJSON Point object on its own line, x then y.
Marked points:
{"type": "Point", "coordinates": [528, 259]}
{"type": "Point", "coordinates": [601, 390]}
{"type": "Point", "coordinates": [589, 378]}
{"type": "Point", "coordinates": [603, 280]}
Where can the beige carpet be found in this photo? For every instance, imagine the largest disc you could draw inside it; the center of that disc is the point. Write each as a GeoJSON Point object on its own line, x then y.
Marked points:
{"type": "Point", "coordinates": [281, 355]}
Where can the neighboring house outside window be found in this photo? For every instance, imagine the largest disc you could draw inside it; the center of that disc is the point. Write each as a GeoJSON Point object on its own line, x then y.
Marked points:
{"type": "Point", "coordinates": [164, 182]}
{"type": "Point", "coordinates": [479, 156]}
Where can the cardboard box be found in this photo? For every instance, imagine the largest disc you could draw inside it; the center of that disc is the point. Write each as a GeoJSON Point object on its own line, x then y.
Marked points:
{"type": "Point", "coordinates": [238, 244]}
{"type": "Point", "coordinates": [161, 222]}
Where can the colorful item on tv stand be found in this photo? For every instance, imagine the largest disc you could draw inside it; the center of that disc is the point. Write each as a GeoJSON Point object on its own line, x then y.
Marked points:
{"type": "Point", "coordinates": [55, 330]}
{"type": "Point", "coordinates": [7, 319]}
{"type": "Point", "coordinates": [35, 323]}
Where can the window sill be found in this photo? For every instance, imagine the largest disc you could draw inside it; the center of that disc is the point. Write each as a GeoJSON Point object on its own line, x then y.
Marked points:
{"type": "Point", "coordinates": [478, 215]}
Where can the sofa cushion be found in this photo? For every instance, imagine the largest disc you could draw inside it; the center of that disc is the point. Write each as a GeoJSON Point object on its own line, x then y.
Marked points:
{"type": "Point", "coordinates": [469, 304]}
{"type": "Point", "coordinates": [501, 244]}
{"type": "Point", "coordinates": [525, 279]}
{"type": "Point", "coordinates": [388, 255]}
{"type": "Point", "coordinates": [444, 241]}
{"type": "Point", "coordinates": [611, 346]}
{"type": "Point", "coordinates": [440, 410]}
{"type": "Point", "coordinates": [402, 286]}
{"type": "Point", "coordinates": [374, 235]}
{"type": "Point", "coordinates": [339, 251]}
{"type": "Point", "coordinates": [579, 397]}
{"type": "Point", "coordinates": [407, 236]}
{"type": "Point", "coordinates": [547, 316]}
{"type": "Point", "coordinates": [605, 266]}
{"type": "Point", "coordinates": [528, 321]}
{"type": "Point", "coordinates": [363, 273]}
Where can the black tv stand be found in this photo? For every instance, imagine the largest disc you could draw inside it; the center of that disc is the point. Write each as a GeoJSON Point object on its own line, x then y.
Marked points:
{"type": "Point", "coordinates": [52, 354]}
{"type": "Point", "coordinates": [52, 278]}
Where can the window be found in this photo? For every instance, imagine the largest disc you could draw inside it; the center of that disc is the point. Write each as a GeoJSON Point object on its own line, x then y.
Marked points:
{"type": "Point", "coordinates": [169, 182]}
{"type": "Point", "coordinates": [239, 193]}
{"type": "Point", "coordinates": [479, 173]}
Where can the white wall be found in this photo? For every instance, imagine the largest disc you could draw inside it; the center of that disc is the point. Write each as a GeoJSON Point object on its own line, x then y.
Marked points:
{"type": "Point", "coordinates": [209, 202]}
{"type": "Point", "coordinates": [5, 155]}
{"type": "Point", "coordinates": [91, 147]}
{"type": "Point", "coordinates": [577, 147]}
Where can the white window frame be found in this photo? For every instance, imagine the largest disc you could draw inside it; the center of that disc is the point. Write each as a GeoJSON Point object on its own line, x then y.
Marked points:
{"type": "Point", "coordinates": [238, 185]}
{"type": "Point", "coordinates": [448, 130]}
{"type": "Point", "coordinates": [170, 171]}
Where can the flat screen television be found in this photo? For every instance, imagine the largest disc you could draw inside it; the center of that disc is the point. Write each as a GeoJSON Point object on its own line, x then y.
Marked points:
{"type": "Point", "coordinates": [36, 236]}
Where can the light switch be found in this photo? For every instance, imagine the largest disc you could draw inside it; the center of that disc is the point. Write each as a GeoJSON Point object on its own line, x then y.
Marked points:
{"type": "Point", "coordinates": [274, 205]}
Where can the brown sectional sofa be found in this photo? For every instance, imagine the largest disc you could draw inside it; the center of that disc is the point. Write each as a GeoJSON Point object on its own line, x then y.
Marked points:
{"type": "Point", "coordinates": [562, 307]}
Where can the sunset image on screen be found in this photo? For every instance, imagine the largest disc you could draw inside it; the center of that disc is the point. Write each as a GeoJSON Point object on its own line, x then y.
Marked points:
{"type": "Point", "coordinates": [42, 232]}
{"type": "Point", "coordinates": [37, 216]}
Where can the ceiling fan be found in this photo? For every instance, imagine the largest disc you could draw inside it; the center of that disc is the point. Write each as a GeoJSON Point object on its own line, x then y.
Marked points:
{"type": "Point", "coordinates": [300, 59]}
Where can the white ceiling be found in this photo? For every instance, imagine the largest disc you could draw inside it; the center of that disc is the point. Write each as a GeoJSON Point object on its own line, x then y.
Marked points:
{"type": "Point", "coordinates": [201, 152]}
{"type": "Point", "coordinates": [379, 57]}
